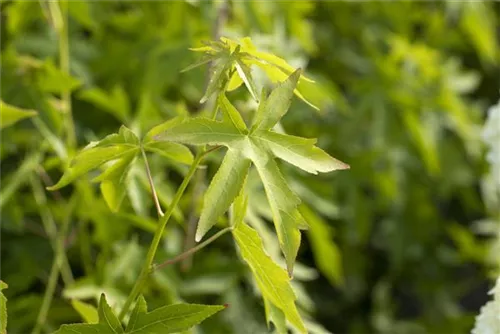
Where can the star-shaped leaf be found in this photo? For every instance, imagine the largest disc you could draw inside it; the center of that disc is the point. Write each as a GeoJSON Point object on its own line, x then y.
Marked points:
{"type": "Point", "coordinates": [117, 152]}
{"type": "Point", "coordinates": [163, 320]}
{"type": "Point", "coordinates": [258, 146]}
{"type": "Point", "coordinates": [232, 64]}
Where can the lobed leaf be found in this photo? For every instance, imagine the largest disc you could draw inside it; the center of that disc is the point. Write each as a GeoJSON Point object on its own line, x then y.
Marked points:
{"type": "Point", "coordinates": [271, 278]}
{"type": "Point", "coordinates": [223, 189]}
{"type": "Point", "coordinates": [119, 146]}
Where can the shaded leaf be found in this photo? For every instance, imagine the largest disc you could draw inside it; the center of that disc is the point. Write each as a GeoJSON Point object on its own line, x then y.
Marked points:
{"type": "Point", "coordinates": [10, 114]}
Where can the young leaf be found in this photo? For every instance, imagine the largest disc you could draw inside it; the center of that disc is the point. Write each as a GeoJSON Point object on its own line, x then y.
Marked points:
{"type": "Point", "coordinates": [107, 317]}
{"type": "Point", "coordinates": [86, 311]}
{"type": "Point", "coordinates": [276, 316]}
{"type": "Point", "coordinates": [140, 308]}
{"type": "Point", "coordinates": [10, 114]}
{"type": "Point", "coordinates": [118, 146]}
{"type": "Point", "coordinates": [3, 309]}
{"type": "Point", "coordinates": [271, 278]}
{"type": "Point", "coordinates": [260, 146]}
{"type": "Point", "coordinates": [239, 57]}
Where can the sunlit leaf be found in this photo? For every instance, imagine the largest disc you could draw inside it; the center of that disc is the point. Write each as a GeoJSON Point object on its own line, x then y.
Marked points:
{"type": "Point", "coordinates": [87, 312]}
{"type": "Point", "coordinates": [3, 308]}
{"type": "Point", "coordinates": [122, 145]}
{"type": "Point", "coordinates": [271, 279]}
{"type": "Point", "coordinates": [260, 146]}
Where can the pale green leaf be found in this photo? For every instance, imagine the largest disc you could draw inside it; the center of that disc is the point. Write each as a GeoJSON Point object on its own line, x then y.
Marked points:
{"type": "Point", "coordinates": [245, 74]}
{"type": "Point", "coordinates": [326, 254]}
{"type": "Point", "coordinates": [163, 127]}
{"type": "Point", "coordinates": [174, 151]}
{"type": "Point", "coordinates": [140, 308]}
{"type": "Point", "coordinates": [202, 131]}
{"type": "Point", "coordinates": [107, 317]}
{"type": "Point", "coordinates": [3, 309]}
{"type": "Point", "coordinates": [276, 316]}
{"type": "Point", "coordinates": [300, 152]}
{"type": "Point", "coordinates": [122, 145]}
{"type": "Point", "coordinates": [10, 114]}
{"type": "Point", "coordinates": [234, 82]}
{"type": "Point", "coordinates": [87, 312]}
{"type": "Point", "coordinates": [271, 279]}
{"type": "Point", "coordinates": [223, 189]}
{"type": "Point", "coordinates": [272, 109]}
{"type": "Point", "coordinates": [114, 181]}
{"type": "Point", "coordinates": [218, 76]}
{"type": "Point", "coordinates": [232, 114]}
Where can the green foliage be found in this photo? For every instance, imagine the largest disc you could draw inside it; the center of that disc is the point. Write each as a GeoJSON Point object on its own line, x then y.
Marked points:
{"type": "Point", "coordinates": [394, 245]}
{"type": "Point", "coordinates": [260, 146]}
{"type": "Point", "coordinates": [167, 319]}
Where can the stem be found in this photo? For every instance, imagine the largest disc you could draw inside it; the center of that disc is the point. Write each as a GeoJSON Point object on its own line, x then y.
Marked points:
{"type": "Point", "coordinates": [50, 227]}
{"type": "Point", "coordinates": [151, 184]}
{"type": "Point", "coordinates": [59, 13]}
{"type": "Point", "coordinates": [193, 250]}
{"type": "Point", "coordinates": [146, 269]}
{"type": "Point", "coordinates": [54, 270]}
{"type": "Point", "coordinates": [85, 251]}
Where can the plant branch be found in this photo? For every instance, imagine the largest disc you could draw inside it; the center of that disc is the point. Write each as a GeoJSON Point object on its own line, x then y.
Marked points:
{"type": "Point", "coordinates": [151, 184]}
{"type": "Point", "coordinates": [193, 250]}
{"type": "Point", "coordinates": [146, 269]}
{"type": "Point", "coordinates": [54, 270]}
{"type": "Point", "coordinates": [59, 14]}
{"type": "Point", "coordinates": [50, 227]}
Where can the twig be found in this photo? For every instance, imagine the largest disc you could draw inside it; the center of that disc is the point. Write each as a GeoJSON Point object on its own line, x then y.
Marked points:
{"type": "Point", "coordinates": [54, 270]}
{"type": "Point", "coordinates": [151, 184]}
{"type": "Point", "coordinates": [193, 250]}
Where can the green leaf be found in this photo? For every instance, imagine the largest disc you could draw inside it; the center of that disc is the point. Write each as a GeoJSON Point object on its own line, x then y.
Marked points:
{"type": "Point", "coordinates": [3, 308]}
{"type": "Point", "coordinates": [122, 145]}
{"type": "Point", "coordinates": [300, 152]}
{"type": "Point", "coordinates": [10, 114]}
{"type": "Point", "coordinates": [218, 76]}
{"type": "Point", "coordinates": [326, 253]}
{"type": "Point", "coordinates": [53, 80]}
{"type": "Point", "coordinates": [245, 74]}
{"type": "Point", "coordinates": [173, 151]}
{"type": "Point", "coordinates": [271, 278]}
{"type": "Point", "coordinates": [107, 317]}
{"type": "Point", "coordinates": [87, 312]}
{"type": "Point", "coordinates": [167, 319]}
{"type": "Point", "coordinates": [276, 316]}
{"type": "Point", "coordinates": [259, 146]}
{"type": "Point", "coordinates": [171, 318]}
{"type": "Point", "coordinates": [277, 104]}
{"type": "Point", "coordinates": [225, 186]}
{"type": "Point", "coordinates": [201, 131]}
{"type": "Point", "coordinates": [140, 308]}
{"type": "Point", "coordinates": [114, 181]}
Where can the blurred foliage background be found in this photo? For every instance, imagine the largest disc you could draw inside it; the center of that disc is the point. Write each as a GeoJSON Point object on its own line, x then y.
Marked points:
{"type": "Point", "coordinates": [402, 87]}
